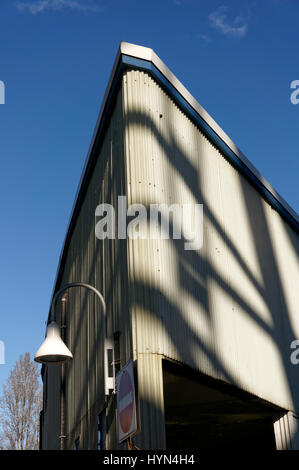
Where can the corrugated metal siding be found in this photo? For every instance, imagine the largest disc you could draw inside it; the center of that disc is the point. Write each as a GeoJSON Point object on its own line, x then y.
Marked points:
{"type": "Point", "coordinates": [286, 432]}
{"type": "Point", "coordinates": [151, 402]}
{"type": "Point", "coordinates": [51, 409]}
{"type": "Point", "coordinates": [103, 265]}
{"type": "Point", "coordinates": [228, 309]}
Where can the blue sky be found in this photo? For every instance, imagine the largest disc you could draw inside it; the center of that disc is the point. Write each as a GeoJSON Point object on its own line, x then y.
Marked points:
{"type": "Point", "coordinates": [237, 58]}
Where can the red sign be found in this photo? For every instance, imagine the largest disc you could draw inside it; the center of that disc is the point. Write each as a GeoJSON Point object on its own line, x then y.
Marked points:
{"type": "Point", "coordinates": [126, 405]}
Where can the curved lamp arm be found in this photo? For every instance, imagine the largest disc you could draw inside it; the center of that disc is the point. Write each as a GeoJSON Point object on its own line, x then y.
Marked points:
{"type": "Point", "coordinates": [79, 284]}
{"type": "Point", "coordinates": [53, 349]}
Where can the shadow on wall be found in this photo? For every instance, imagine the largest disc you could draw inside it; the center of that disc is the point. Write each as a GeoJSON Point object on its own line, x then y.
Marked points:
{"type": "Point", "coordinates": [195, 271]}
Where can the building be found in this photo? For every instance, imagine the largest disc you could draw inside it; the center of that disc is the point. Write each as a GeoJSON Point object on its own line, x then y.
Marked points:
{"type": "Point", "coordinates": [209, 330]}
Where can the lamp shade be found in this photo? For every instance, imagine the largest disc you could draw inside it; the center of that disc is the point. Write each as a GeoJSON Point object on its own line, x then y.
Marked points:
{"type": "Point", "coordinates": [53, 350]}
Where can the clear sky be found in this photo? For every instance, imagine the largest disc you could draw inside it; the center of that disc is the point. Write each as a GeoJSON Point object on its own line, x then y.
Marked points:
{"type": "Point", "coordinates": [237, 58]}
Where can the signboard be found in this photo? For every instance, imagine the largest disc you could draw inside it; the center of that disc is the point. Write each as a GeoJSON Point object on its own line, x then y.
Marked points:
{"type": "Point", "coordinates": [126, 402]}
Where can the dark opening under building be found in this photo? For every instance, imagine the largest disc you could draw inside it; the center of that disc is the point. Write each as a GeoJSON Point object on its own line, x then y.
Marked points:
{"type": "Point", "coordinates": [209, 330]}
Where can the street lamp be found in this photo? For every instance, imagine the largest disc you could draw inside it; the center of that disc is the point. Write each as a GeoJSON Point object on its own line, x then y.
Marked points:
{"type": "Point", "coordinates": [54, 351]}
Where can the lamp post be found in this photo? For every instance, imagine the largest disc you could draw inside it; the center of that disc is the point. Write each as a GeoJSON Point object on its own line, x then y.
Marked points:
{"type": "Point", "coordinates": [54, 351]}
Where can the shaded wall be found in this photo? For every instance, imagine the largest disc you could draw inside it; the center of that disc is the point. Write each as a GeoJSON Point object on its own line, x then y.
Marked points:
{"type": "Point", "coordinates": [102, 264]}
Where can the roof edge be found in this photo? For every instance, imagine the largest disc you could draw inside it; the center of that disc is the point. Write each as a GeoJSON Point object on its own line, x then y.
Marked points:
{"type": "Point", "coordinates": [148, 54]}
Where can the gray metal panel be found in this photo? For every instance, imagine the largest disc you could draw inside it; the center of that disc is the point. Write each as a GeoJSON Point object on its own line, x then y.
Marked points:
{"type": "Point", "coordinates": [229, 309]}
{"type": "Point", "coordinates": [51, 409]}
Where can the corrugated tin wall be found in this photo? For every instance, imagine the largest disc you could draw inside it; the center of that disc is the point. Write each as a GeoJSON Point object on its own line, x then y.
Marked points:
{"type": "Point", "coordinates": [229, 309]}
{"type": "Point", "coordinates": [286, 432]}
{"type": "Point", "coordinates": [103, 265]}
{"type": "Point", "coordinates": [51, 403]}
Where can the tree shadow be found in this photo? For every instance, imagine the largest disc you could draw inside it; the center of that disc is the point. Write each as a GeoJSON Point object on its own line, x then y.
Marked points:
{"type": "Point", "coordinates": [195, 270]}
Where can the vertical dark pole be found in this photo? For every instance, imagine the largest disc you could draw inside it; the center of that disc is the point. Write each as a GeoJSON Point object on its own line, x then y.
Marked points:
{"type": "Point", "coordinates": [62, 377]}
